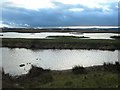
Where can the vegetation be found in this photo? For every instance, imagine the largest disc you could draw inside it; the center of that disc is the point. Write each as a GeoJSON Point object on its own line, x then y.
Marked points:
{"type": "Point", "coordinates": [96, 77]}
{"type": "Point", "coordinates": [111, 67]}
{"type": "Point", "coordinates": [67, 37]}
{"type": "Point", "coordinates": [115, 37]}
{"type": "Point", "coordinates": [1, 34]}
{"type": "Point", "coordinates": [78, 70]}
{"type": "Point", "coordinates": [61, 43]}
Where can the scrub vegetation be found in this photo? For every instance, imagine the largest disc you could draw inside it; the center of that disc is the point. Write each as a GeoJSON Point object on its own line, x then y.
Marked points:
{"type": "Point", "coordinates": [61, 43]}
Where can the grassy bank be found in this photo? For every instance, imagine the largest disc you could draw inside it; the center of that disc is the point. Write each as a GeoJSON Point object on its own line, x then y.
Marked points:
{"type": "Point", "coordinates": [62, 43]}
{"type": "Point", "coordinates": [104, 76]}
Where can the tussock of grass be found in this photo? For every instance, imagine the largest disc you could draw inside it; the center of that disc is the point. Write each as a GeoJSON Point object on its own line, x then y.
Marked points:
{"type": "Point", "coordinates": [78, 70]}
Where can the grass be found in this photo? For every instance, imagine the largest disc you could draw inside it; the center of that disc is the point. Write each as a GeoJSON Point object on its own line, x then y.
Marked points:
{"type": "Point", "coordinates": [61, 43]}
{"type": "Point", "coordinates": [96, 77]}
{"type": "Point", "coordinates": [78, 70]}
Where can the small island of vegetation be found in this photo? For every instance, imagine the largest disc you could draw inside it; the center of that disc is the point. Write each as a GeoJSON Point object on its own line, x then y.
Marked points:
{"type": "Point", "coordinates": [115, 37]}
{"type": "Point", "coordinates": [66, 37]}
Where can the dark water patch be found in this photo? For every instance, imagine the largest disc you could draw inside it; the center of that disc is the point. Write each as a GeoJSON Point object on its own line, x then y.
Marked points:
{"type": "Point", "coordinates": [22, 65]}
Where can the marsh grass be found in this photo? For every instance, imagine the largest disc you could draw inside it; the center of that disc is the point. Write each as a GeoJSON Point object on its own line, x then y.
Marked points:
{"type": "Point", "coordinates": [61, 43]}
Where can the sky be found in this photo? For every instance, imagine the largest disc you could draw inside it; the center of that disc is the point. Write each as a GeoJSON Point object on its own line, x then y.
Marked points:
{"type": "Point", "coordinates": [46, 13]}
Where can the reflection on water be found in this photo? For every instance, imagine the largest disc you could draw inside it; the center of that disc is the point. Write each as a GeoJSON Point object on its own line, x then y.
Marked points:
{"type": "Point", "coordinates": [45, 34]}
{"type": "Point", "coordinates": [53, 59]}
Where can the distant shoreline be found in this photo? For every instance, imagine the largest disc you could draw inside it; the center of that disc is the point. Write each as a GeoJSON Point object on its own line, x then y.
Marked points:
{"type": "Point", "coordinates": [62, 30]}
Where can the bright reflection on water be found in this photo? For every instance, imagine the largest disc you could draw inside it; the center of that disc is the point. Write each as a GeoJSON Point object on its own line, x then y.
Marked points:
{"type": "Point", "coordinates": [53, 59]}
{"type": "Point", "coordinates": [45, 34]}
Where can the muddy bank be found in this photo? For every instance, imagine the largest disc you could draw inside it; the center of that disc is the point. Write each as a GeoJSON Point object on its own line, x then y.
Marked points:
{"type": "Point", "coordinates": [62, 43]}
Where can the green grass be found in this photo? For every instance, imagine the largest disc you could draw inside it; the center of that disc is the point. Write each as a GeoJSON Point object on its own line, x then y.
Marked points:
{"type": "Point", "coordinates": [62, 43]}
{"type": "Point", "coordinates": [70, 80]}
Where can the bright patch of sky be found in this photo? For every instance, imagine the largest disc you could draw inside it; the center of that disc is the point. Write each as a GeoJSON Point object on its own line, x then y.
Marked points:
{"type": "Point", "coordinates": [77, 9]}
{"type": "Point", "coordinates": [37, 4]}
{"type": "Point", "coordinates": [33, 4]}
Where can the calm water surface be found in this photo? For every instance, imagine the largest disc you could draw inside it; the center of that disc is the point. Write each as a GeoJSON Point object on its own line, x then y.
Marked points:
{"type": "Point", "coordinates": [45, 34]}
{"type": "Point", "coordinates": [53, 59]}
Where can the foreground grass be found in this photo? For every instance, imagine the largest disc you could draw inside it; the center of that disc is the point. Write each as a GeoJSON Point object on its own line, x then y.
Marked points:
{"type": "Point", "coordinates": [62, 43]}
{"type": "Point", "coordinates": [68, 80]}
{"type": "Point", "coordinates": [105, 76]}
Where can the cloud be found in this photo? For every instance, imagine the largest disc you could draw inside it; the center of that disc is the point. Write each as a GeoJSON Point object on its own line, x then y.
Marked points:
{"type": "Point", "coordinates": [76, 9]}
{"type": "Point", "coordinates": [59, 12]}
{"type": "Point", "coordinates": [32, 4]}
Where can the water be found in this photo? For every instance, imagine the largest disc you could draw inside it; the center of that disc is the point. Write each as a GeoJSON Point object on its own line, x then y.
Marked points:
{"type": "Point", "coordinates": [53, 59]}
{"type": "Point", "coordinates": [32, 35]}
{"type": "Point", "coordinates": [80, 27]}
{"type": "Point", "coordinates": [45, 34]}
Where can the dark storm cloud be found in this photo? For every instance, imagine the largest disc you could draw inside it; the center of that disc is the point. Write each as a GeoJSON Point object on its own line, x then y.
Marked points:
{"type": "Point", "coordinates": [60, 15]}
